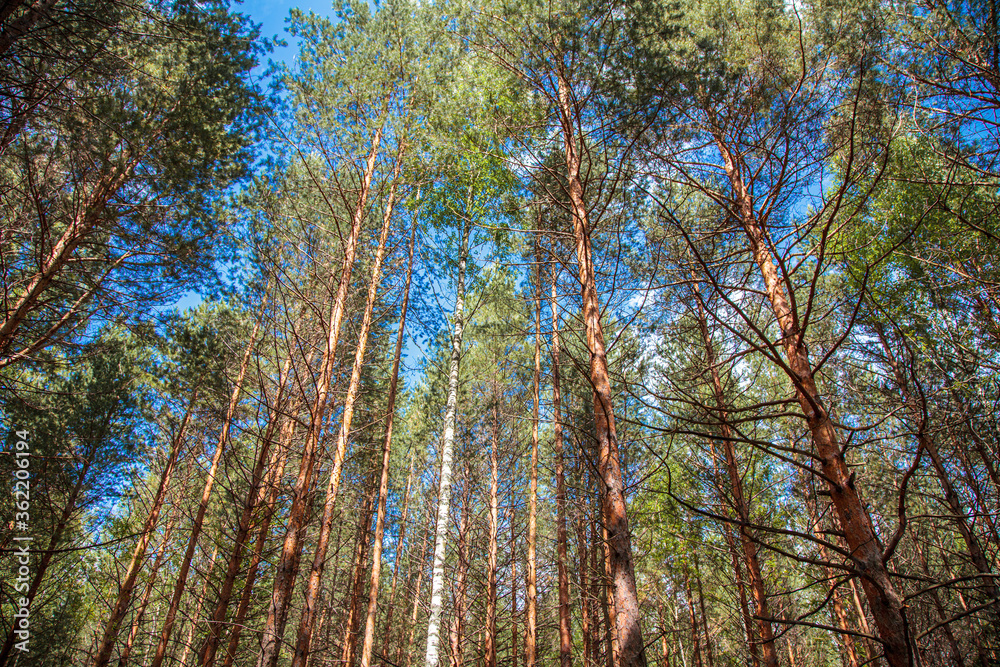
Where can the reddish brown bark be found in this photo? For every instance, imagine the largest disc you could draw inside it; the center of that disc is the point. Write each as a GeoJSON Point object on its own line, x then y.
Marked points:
{"type": "Point", "coordinates": [885, 602]}
{"type": "Point", "coordinates": [531, 613]}
{"type": "Point", "coordinates": [457, 630]}
{"type": "Point", "coordinates": [562, 558]}
{"type": "Point", "coordinates": [206, 495]}
{"type": "Point", "coordinates": [628, 628]}
{"type": "Point", "coordinates": [839, 612]}
{"type": "Point", "coordinates": [276, 468]}
{"type": "Point", "coordinates": [314, 581]}
{"type": "Point", "coordinates": [695, 633]}
{"type": "Point", "coordinates": [288, 564]}
{"type": "Point", "coordinates": [383, 489]}
{"type": "Point", "coordinates": [490, 649]}
{"type": "Point", "coordinates": [400, 541]}
{"type": "Point", "coordinates": [103, 655]}
{"type": "Point", "coordinates": [738, 496]}
{"type": "Point", "coordinates": [140, 612]}
{"type": "Point", "coordinates": [252, 500]}
{"type": "Point", "coordinates": [353, 620]}
{"type": "Point", "coordinates": [196, 617]}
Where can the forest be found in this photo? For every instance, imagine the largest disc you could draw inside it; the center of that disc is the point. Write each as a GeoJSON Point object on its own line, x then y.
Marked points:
{"type": "Point", "coordinates": [589, 333]}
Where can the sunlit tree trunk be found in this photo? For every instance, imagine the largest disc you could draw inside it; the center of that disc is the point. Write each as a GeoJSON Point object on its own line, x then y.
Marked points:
{"type": "Point", "coordinates": [216, 624]}
{"type": "Point", "coordinates": [288, 563]}
{"type": "Point", "coordinates": [383, 488]}
{"type": "Point", "coordinates": [531, 630]}
{"type": "Point", "coordinates": [461, 580]}
{"type": "Point", "coordinates": [885, 602]}
{"type": "Point", "coordinates": [494, 527]}
{"type": "Point", "coordinates": [628, 627]}
{"type": "Point", "coordinates": [103, 655]}
{"type": "Point", "coordinates": [140, 612]}
{"type": "Point", "coordinates": [206, 495]}
{"type": "Point", "coordinates": [447, 449]}
{"type": "Point", "coordinates": [276, 468]}
{"type": "Point", "coordinates": [196, 617]}
{"type": "Point", "coordinates": [315, 579]}
{"type": "Point", "coordinates": [562, 557]}
{"type": "Point", "coordinates": [770, 653]}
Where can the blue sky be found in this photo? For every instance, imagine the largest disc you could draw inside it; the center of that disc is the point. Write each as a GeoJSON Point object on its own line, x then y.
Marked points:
{"type": "Point", "coordinates": [272, 15]}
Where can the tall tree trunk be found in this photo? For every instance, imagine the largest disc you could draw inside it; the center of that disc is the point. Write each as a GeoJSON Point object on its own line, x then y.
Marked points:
{"type": "Point", "coordinates": [610, 611]}
{"type": "Point", "coordinates": [103, 655]}
{"type": "Point", "coordinates": [513, 584]}
{"type": "Point", "coordinates": [885, 602]}
{"type": "Point", "coordinates": [586, 628]}
{"type": "Point", "coordinates": [704, 617]}
{"type": "Point", "coordinates": [628, 631]}
{"type": "Point", "coordinates": [695, 633]}
{"type": "Point", "coordinates": [740, 503]}
{"type": "Point", "coordinates": [196, 617]}
{"type": "Point", "coordinates": [351, 623]}
{"type": "Point", "coordinates": [400, 541]}
{"type": "Point", "coordinates": [531, 630]}
{"type": "Point", "coordinates": [288, 564]}
{"type": "Point", "coordinates": [839, 613]}
{"type": "Point", "coordinates": [562, 558]}
{"type": "Point", "coordinates": [490, 652]}
{"type": "Point", "coordinates": [333, 485]}
{"type": "Point", "coordinates": [383, 489]}
{"type": "Point", "coordinates": [206, 495]}
{"type": "Point", "coordinates": [276, 469]}
{"type": "Point", "coordinates": [416, 606]}
{"type": "Point", "coordinates": [459, 610]}
{"type": "Point", "coordinates": [741, 591]}
{"type": "Point", "coordinates": [140, 612]}
{"type": "Point", "coordinates": [956, 652]}
{"type": "Point", "coordinates": [207, 653]}
{"type": "Point", "coordinates": [447, 447]}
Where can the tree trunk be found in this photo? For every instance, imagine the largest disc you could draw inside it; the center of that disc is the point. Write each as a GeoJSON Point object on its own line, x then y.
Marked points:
{"type": "Point", "coordinates": [839, 613]}
{"type": "Point", "coordinates": [123, 659]}
{"type": "Point", "coordinates": [562, 558]}
{"type": "Point", "coordinates": [586, 628]}
{"type": "Point", "coordinates": [531, 630]}
{"type": "Point", "coordinates": [400, 541]}
{"type": "Point", "coordinates": [197, 610]}
{"type": "Point", "coordinates": [885, 602]}
{"type": "Point", "coordinates": [333, 485]}
{"type": "Point", "coordinates": [416, 606]}
{"type": "Point", "coordinates": [288, 564]}
{"type": "Point", "coordinates": [513, 584]}
{"type": "Point", "coordinates": [490, 652]}
{"type": "Point", "coordinates": [695, 634]}
{"type": "Point", "coordinates": [277, 469]}
{"type": "Point", "coordinates": [956, 652]}
{"type": "Point", "coordinates": [628, 630]}
{"type": "Point", "coordinates": [103, 656]}
{"type": "Point", "coordinates": [353, 621]}
{"type": "Point", "coordinates": [383, 489]}
{"type": "Point", "coordinates": [740, 502]}
{"type": "Point", "coordinates": [447, 447]}
{"type": "Point", "coordinates": [206, 495]}
{"type": "Point", "coordinates": [459, 611]}
{"type": "Point", "coordinates": [253, 497]}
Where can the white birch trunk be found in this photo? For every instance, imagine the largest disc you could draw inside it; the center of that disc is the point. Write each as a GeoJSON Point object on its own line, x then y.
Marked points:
{"type": "Point", "coordinates": [447, 447]}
